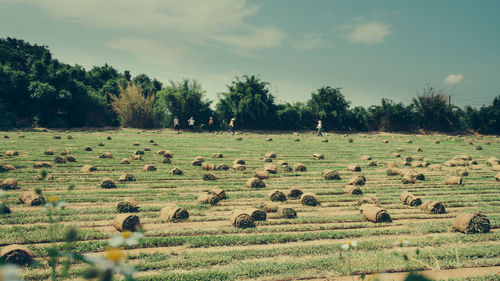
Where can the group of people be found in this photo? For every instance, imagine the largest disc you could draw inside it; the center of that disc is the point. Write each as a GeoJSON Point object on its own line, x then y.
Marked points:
{"type": "Point", "coordinates": [231, 125]}
{"type": "Point", "coordinates": [192, 127]}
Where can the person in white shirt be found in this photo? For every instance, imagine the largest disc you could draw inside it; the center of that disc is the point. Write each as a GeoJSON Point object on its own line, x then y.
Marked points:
{"type": "Point", "coordinates": [320, 128]}
{"type": "Point", "coordinates": [176, 124]}
{"type": "Point", "coordinates": [191, 123]}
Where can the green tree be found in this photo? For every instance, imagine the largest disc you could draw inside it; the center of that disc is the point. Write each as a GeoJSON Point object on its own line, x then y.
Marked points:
{"type": "Point", "coordinates": [47, 104]}
{"type": "Point", "coordinates": [248, 100]}
{"type": "Point", "coordinates": [184, 99]}
{"type": "Point", "coordinates": [391, 117]}
{"type": "Point", "coordinates": [296, 116]}
{"type": "Point", "coordinates": [330, 106]}
{"type": "Point", "coordinates": [358, 118]}
{"type": "Point", "coordinates": [7, 120]}
{"type": "Point", "coordinates": [485, 120]}
{"type": "Point", "coordinates": [147, 85]}
{"type": "Point", "coordinates": [432, 111]}
{"type": "Point", "coordinates": [33, 85]}
{"type": "Point", "coordinates": [14, 91]}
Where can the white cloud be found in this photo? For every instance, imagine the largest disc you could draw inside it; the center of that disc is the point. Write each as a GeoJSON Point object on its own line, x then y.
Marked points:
{"type": "Point", "coordinates": [453, 79]}
{"type": "Point", "coordinates": [254, 38]}
{"type": "Point", "coordinates": [149, 51]}
{"type": "Point", "coordinates": [201, 22]}
{"type": "Point", "coordinates": [369, 33]}
{"type": "Point", "coordinates": [309, 41]}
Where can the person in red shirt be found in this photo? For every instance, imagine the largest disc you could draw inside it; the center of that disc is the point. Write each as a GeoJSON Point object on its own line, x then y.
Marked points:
{"type": "Point", "coordinates": [210, 125]}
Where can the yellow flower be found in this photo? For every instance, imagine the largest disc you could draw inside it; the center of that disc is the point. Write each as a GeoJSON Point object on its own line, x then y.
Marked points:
{"type": "Point", "coordinates": [126, 234]}
{"type": "Point", "coordinates": [53, 199]}
{"type": "Point", "coordinates": [114, 254]}
{"type": "Point", "coordinates": [348, 242]}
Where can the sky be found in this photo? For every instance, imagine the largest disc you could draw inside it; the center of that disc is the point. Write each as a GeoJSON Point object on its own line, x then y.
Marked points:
{"type": "Point", "coordinates": [370, 49]}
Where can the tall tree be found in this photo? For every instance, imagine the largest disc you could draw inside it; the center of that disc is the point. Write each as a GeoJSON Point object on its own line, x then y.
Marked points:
{"type": "Point", "coordinates": [248, 100]}
{"type": "Point", "coordinates": [432, 111]}
{"type": "Point", "coordinates": [391, 117]}
{"type": "Point", "coordinates": [329, 105]}
{"type": "Point", "coordinates": [184, 99]}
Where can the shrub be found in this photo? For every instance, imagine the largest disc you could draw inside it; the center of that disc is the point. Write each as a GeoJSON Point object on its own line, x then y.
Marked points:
{"type": "Point", "coordinates": [134, 109]}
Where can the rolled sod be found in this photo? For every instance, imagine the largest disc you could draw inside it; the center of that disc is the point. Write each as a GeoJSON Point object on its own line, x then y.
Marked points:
{"type": "Point", "coordinates": [433, 207]}
{"type": "Point", "coordinates": [277, 196]}
{"type": "Point", "coordinates": [286, 212]}
{"type": "Point", "coordinates": [16, 254]}
{"type": "Point", "coordinates": [309, 199]}
{"type": "Point", "coordinates": [374, 213]}
{"type": "Point", "coordinates": [470, 223]}
{"type": "Point", "coordinates": [173, 213]}
{"type": "Point", "coordinates": [126, 222]}
{"type": "Point", "coordinates": [128, 205]}
{"type": "Point", "coordinates": [241, 219]}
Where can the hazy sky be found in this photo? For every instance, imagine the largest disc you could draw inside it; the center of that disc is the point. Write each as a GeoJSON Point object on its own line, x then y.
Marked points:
{"type": "Point", "coordinates": [371, 49]}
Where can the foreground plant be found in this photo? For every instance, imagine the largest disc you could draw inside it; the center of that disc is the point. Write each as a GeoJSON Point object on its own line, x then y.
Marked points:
{"type": "Point", "coordinates": [348, 246]}
{"type": "Point", "coordinates": [401, 243]}
{"type": "Point", "coordinates": [102, 268]}
{"type": "Point", "coordinates": [9, 272]}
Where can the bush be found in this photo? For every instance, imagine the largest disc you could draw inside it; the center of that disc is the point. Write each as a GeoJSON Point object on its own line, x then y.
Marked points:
{"type": "Point", "coordinates": [391, 117]}
{"type": "Point", "coordinates": [134, 109]}
{"type": "Point", "coordinates": [432, 111]}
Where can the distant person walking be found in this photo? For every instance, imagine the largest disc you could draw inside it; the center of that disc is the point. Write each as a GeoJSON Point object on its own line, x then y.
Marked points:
{"type": "Point", "coordinates": [231, 126]}
{"type": "Point", "coordinates": [210, 125]}
{"type": "Point", "coordinates": [176, 124]}
{"type": "Point", "coordinates": [191, 123]}
{"type": "Point", "coordinates": [320, 128]}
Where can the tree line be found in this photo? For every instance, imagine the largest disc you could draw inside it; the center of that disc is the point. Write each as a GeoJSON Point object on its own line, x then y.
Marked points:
{"type": "Point", "coordinates": [38, 90]}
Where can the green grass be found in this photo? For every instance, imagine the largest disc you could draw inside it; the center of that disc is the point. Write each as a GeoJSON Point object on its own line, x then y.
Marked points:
{"type": "Point", "coordinates": [207, 247]}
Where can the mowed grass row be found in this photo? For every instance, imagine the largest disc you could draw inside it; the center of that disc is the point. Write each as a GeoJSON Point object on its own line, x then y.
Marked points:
{"type": "Point", "coordinates": [92, 208]}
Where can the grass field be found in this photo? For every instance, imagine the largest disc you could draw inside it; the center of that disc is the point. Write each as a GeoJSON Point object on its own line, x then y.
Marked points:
{"type": "Point", "coordinates": [208, 247]}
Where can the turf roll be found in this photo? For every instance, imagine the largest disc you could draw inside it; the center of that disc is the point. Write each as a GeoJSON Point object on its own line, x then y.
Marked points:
{"type": "Point", "coordinates": [410, 199]}
{"type": "Point", "coordinates": [270, 168]}
{"type": "Point", "coordinates": [331, 175]}
{"type": "Point", "coordinates": [261, 175]}
{"type": "Point", "coordinates": [32, 199]}
{"type": "Point", "coordinates": [433, 207]}
{"type": "Point", "coordinates": [353, 189]}
{"type": "Point", "coordinates": [173, 213]}
{"type": "Point", "coordinates": [16, 254]}
{"type": "Point", "coordinates": [294, 193]}
{"type": "Point", "coordinates": [286, 212]}
{"type": "Point", "coordinates": [452, 180]}
{"type": "Point", "coordinates": [241, 219]}
{"type": "Point", "coordinates": [374, 213]}
{"type": "Point", "coordinates": [309, 199]}
{"type": "Point", "coordinates": [207, 198]}
{"type": "Point", "coordinates": [208, 166]}
{"type": "Point", "coordinates": [255, 183]}
{"type": "Point", "coordinates": [128, 205]}
{"type": "Point", "coordinates": [277, 196]}
{"type": "Point", "coordinates": [219, 193]}
{"type": "Point", "coordinates": [126, 222]}
{"type": "Point", "coordinates": [470, 223]}
{"type": "Point", "coordinates": [257, 214]}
